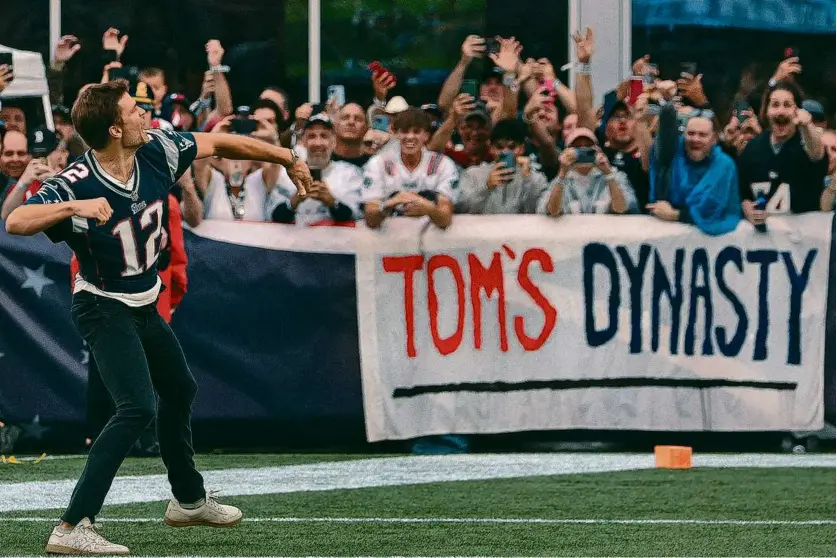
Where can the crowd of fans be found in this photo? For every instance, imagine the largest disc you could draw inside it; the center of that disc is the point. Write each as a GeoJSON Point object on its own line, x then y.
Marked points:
{"type": "Point", "coordinates": [517, 141]}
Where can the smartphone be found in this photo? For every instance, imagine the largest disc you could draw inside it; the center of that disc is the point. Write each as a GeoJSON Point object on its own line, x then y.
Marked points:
{"type": "Point", "coordinates": [637, 88]}
{"type": "Point", "coordinates": [650, 74]}
{"type": "Point", "coordinates": [381, 123]}
{"type": "Point", "coordinates": [508, 159]}
{"type": "Point", "coordinates": [790, 52]}
{"type": "Point", "coordinates": [688, 68]}
{"type": "Point", "coordinates": [740, 106]}
{"type": "Point", "coordinates": [377, 69]}
{"type": "Point", "coordinates": [585, 155]}
{"type": "Point", "coordinates": [317, 175]}
{"type": "Point", "coordinates": [7, 60]}
{"type": "Point", "coordinates": [338, 93]}
{"type": "Point", "coordinates": [492, 45]}
{"type": "Point", "coordinates": [470, 87]}
{"type": "Point", "coordinates": [244, 126]}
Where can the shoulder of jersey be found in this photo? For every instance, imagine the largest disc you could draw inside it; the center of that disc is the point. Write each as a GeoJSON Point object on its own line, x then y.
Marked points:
{"type": "Point", "coordinates": [159, 138]}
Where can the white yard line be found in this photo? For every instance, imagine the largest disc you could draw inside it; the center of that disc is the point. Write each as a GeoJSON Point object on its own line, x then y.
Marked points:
{"type": "Point", "coordinates": [367, 473]}
{"type": "Point", "coordinates": [469, 520]}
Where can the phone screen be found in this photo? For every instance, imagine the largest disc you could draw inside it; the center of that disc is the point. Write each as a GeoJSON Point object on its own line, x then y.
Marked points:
{"type": "Point", "coordinates": [244, 126]}
{"type": "Point", "coordinates": [7, 60]}
{"type": "Point", "coordinates": [381, 123]}
{"type": "Point", "coordinates": [585, 155]}
{"type": "Point", "coordinates": [508, 159]}
{"type": "Point", "coordinates": [317, 175]}
{"type": "Point", "coordinates": [637, 88]}
{"type": "Point", "coordinates": [470, 87]}
{"type": "Point", "coordinates": [338, 93]}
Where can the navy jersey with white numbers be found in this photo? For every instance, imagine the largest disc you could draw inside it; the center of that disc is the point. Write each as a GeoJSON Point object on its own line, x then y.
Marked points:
{"type": "Point", "coordinates": [121, 255]}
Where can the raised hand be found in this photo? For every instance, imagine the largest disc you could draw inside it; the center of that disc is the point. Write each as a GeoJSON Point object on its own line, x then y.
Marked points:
{"type": "Point", "coordinates": [37, 169]}
{"type": "Point", "coordinates": [382, 83]}
{"type": "Point", "coordinates": [98, 209]}
{"type": "Point", "coordinates": [473, 47]}
{"type": "Point", "coordinates": [111, 41]}
{"type": "Point", "coordinates": [462, 105]}
{"type": "Point", "coordinates": [802, 118]}
{"type": "Point", "coordinates": [508, 58]}
{"type": "Point", "coordinates": [208, 87]}
{"type": "Point", "coordinates": [499, 175]}
{"type": "Point", "coordinates": [214, 53]}
{"type": "Point", "coordinates": [787, 68]}
{"type": "Point", "coordinates": [65, 49]}
{"type": "Point", "coordinates": [692, 88]}
{"type": "Point", "coordinates": [303, 112]}
{"type": "Point", "coordinates": [602, 162]}
{"type": "Point", "coordinates": [584, 45]}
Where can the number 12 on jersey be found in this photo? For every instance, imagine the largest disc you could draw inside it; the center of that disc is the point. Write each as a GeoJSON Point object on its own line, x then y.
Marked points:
{"type": "Point", "coordinates": [152, 216]}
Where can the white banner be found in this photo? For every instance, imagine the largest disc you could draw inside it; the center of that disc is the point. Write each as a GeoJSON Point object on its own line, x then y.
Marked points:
{"type": "Point", "coordinates": [518, 322]}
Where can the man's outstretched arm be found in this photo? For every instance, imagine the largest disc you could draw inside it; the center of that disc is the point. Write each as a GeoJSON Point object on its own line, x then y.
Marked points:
{"type": "Point", "coordinates": [232, 146]}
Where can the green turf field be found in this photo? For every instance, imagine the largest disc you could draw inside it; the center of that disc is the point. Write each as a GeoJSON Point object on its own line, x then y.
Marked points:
{"type": "Point", "coordinates": [652, 512]}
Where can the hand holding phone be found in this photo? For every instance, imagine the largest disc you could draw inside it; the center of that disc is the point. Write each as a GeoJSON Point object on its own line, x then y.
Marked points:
{"type": "Point", "coordinates": [470, 87]}
{"type": "Point", "coordinates": [337, 93]}
{"type": "Point", "coordinates": [585, 155]}
{"type": "Point", "coordinates": [508, 159]}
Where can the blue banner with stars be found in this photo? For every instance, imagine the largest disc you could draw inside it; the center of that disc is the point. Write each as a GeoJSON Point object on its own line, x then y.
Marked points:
{"type": "Point", "coordinates": [268, 333]}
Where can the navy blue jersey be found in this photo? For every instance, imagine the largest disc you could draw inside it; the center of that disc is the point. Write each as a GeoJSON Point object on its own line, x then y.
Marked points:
{"type": "Point", "coordinates": [121, 255]}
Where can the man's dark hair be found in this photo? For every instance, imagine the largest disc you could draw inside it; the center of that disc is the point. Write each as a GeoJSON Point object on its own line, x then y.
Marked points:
{"type": "Point", "coordinates": [270, 105]}
{"type": "Point", "coordinates": [783, 85]}
{"type": "Point", "coordinates": [96, 110]}
{"type": "Point", "coordinates": [509, 129]}
{"type": "Point", "coordinates": [411, 118]}
{"type": "Point", "coordinates": [282, 92]}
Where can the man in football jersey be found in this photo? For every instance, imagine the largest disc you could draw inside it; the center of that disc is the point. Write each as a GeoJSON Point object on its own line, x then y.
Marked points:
{"type": "Point", "coordinates": [785, 165]}
{"type": "Point", "coordinates": [410, 180]}
{"type": "Point", "coordinates": [108, 206]}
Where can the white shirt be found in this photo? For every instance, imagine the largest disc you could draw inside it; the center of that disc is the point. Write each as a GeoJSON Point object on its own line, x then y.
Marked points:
{"type": "Point", "coordinates": [344, 181]}
{"type": "Point", "coordinates": [385, 175]}
{"type": "Point", "coordinates": [217, 204]}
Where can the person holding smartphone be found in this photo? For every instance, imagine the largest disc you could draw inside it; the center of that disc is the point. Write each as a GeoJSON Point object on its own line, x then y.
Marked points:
{"type": "Point", "coordinates": [334, 196]}
{"type": "Point", "coordinates": [508, 184]}
{"type": "Point", "coordinates": [586, 181]}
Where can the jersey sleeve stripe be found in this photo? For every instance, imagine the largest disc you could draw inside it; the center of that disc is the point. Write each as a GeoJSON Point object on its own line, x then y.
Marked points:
{"type": "Point", "coordinates": [170, 149]}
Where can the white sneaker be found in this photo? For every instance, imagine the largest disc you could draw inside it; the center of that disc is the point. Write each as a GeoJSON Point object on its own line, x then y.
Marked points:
{"type": "Point", "coordinates": [211, 513]}
{"type": "Point", "coordinates": [83, 539]}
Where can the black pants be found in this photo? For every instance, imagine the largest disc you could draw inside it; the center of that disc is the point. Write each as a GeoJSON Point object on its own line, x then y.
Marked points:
{"type": "Point", "coordinates": [100, 409]}
{"type": "Point", "coordinates": [137, 355]}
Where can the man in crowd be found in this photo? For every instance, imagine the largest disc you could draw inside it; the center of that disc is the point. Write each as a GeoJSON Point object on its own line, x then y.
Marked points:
{"type": "Point", "coordinates": [47, 157]}
{"type": "Point", "coordinates": [335, 194]}
{"type": "Point", "coordinates": [13, 159]}
{"type": "Point", "coordinates": [692, 179]}
{"type": "Point", "coordinates": [586, 181]}
{"type": "Point", "coordinates": [13, 117]}
{"type": "Point", "coordinates": [786, 165]}
{"type": "Point", "coordinates": [350, 128]}
{"type": "Point", "coordinates": [410, 180]}
{"type": "Point", "coordinates": [495, 188]}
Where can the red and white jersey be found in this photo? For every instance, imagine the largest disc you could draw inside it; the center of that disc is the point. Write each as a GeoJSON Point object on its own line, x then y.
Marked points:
{"type": "Point", "coordinates": [385, 174]}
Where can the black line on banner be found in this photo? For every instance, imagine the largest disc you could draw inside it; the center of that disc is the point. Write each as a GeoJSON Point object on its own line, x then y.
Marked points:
{"type": "Point", "coordinates": [529, 385]}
